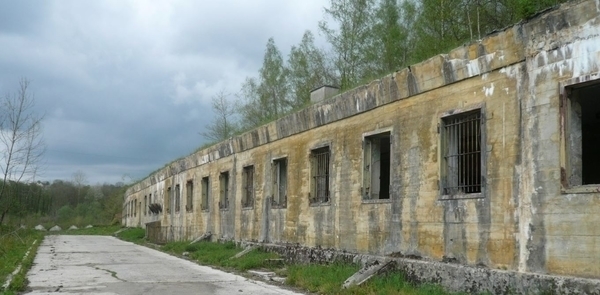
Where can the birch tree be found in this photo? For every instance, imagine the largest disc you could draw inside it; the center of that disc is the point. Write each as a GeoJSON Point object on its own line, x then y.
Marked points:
{"type": "Point", "coordinates": [348, 29]}
{"type": "Point", "coordinates": [307, 69]}
{"type": "Point", "coordinates": [21, 142]}
{"type": "Point", "coordinates": [224, 124]}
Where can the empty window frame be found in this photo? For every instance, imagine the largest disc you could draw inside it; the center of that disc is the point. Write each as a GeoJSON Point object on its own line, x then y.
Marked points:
{"type": "Point", "coordinates": [376, 166]}
{"type": "Point", "coordinates": [319, 175]}
{"type": "Point", "coordinates": [279, 198]}
{"type": "Point", "coordinates": [168, 200]}
{"type": "Point", "coordinates": [205, 193]}
{"type": "Point", "coordinates": [134, 208]}
{"type": "Point", "coordinates": [581, 120]}
{"type": "Point", "coordinates": [145, 205]}
{"type": "Point", "coordinates": [177, 198]}
{"type": "Point", "coordinates": [224, 190]}
{"type": "Point", "coordinates": [248, 187]}
{"type": "Point", "coordinates": [189, 200]}
{"type": "Point", "coordinates": [461, 142]}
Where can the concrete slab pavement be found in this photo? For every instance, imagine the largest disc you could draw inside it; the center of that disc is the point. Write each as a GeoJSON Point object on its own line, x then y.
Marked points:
{"type": "Point", "coordinates": [106, 265]}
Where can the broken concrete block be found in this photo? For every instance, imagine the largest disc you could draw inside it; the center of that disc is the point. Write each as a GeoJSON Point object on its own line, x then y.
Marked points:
{"type": "Point", "coordinates": [203, 237]}
{"type": "Point", "coordinates": [89, 226]}
{"type": "Point", "coordinates": [244, 252]}
{"type": "Point", "coordinates": [73, 227]}
{"type": "Point", "coordinates": [367, 272]}
{"type": "Point", "coordinates": [40, 227]}
{"type": "Point", "coordinates": [56, 228]}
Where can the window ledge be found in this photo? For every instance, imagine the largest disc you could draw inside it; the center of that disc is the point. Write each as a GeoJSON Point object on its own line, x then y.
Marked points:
{"type": "Point", "coordinates": [376, 201]}
{"type": "Point", "coordinates": [582, 189]}
{"type": "Point", "coordinates": [205, 210]}
{"type": "Point", "coordinates": [461, 197]}
{"type": "Point", "coordinates": [247, 208]}
{"type": "Point", "coordinates": [278, 207]}
{"type": "Point", "coordinates": [317, 204]}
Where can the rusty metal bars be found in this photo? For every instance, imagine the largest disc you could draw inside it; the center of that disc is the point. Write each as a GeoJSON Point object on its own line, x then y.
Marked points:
{"type": "Point", "coordinates": [463, 153]}
{"type": "Point", "coordinates": [320, 177]}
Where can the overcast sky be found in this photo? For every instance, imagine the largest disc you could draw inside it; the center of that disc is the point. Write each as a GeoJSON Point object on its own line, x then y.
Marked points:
{"type": "Point", "coordinates": [125, 86]}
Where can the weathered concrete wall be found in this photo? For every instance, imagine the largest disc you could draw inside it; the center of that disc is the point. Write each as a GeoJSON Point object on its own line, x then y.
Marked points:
{"type": "Point", "coordinates": [524, 220]}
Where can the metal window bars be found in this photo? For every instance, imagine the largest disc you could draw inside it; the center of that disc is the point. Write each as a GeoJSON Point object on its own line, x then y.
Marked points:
{"type": "Point", "coordinates": [462, 135]}
{"type": "Point", "coordinates": [320, 175]}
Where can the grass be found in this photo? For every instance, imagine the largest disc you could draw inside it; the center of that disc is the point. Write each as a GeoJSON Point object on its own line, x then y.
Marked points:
{"type": "Point", "coordinates": [99, 230]}
{"type": "Point", "coordinates": [13, 246]}
{"type": "Point", "coordinates": [320, 279]}
{"type": "Point", "coordinates": [219, 254]}
{"type": "Point", "coordinates": [136, 235]}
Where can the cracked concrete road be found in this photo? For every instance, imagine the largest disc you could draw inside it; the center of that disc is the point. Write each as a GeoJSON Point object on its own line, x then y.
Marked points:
{"type": "Point", "coordinates": [106, 265]}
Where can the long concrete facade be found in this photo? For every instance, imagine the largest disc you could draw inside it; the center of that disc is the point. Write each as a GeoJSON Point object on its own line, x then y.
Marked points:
{"type": "Point", "coordinates": [485, 156]}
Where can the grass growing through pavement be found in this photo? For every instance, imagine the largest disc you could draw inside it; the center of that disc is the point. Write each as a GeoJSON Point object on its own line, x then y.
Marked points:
{"type": "Point", "coordinates": [99, 230]}
{"type": "Point", "coordinates": [13, 246]}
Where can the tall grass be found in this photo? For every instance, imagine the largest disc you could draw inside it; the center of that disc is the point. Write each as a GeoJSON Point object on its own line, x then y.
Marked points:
{"type": "Point", "coordinates": [13, 246]}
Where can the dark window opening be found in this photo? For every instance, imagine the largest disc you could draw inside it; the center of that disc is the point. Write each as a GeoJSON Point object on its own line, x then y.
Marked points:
{"type": "Point", "coordinates": [279, 198]}
{"type": "Point", "coordinates": [168, 200]}
{"type": "Point", "coordinates": [224, 190]}
{"type": "Point", "coordinates": [584, 135]}
{"type": "Point", "coordinates": [462, 154]}
{"type": "Point", "coordinates": [177, 198]}
{"type": "Point", "coordinates": [189, 189]}
{"type": "Point", "coordinates": [319, 160]}
{"type": "Point", "coordinates": [248, 187]}
{"type": "Point", "coordinates": [376, 174]}
{"type": "Point", "coordinates": [205, 193]}
{"type": "Point", "coordinates": [145, 205]}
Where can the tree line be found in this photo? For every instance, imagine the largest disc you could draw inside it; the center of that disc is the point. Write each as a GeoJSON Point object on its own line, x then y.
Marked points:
{"type": "Point", "coordinates": [366, 39]}
{"type": "Point", "coordinates": [64, 202]}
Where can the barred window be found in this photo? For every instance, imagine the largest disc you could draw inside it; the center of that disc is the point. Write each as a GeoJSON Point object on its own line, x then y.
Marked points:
{"type": "Point", "coordinates": [177, 198]}
{"type": "Point", "coordinates": [319, 161]}
{"type": "Point", "coordinates": [248, 187]}
{"type": "Point", "coordinates": [205, 193]}
{"type": "Point", "coordinates": [189, 189]}
{"type": "Point", "coordinates": [168, 200]}
{"type": "Point", "coordinates": [461, 146]}
{"type": "Point", "coordinates": [224, 190]}
{"type": "Point", "coordinates": [279, 198]}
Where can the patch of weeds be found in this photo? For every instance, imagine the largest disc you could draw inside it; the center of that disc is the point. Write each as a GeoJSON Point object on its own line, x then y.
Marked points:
{"type": "Point", "coordinates": [135, 235]}
{"type": "Point", "coordinates": [13, 247]}
{"type": "Point", "coordinates": [176, 247]}
{"type": "Point", "coordinates": [252, 260]}
{"type": "Point", "coordinates": [322, 279]}
{"type": "Point", "coordinates": [214, 253]}
{"type": "Point", "coordinates": [99, 230]}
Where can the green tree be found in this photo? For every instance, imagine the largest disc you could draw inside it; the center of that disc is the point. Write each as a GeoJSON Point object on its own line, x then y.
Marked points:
{"type": "Point", "coordinates": [350, 37]}
{"type": "Point", "coordinates": [390, 49]}
{"type": "Point", "coordinates": [223, 125]}
{"type": "Point", "coordinates": [266, 98]}
{"type": "Point", "coordinates": [307, 69]}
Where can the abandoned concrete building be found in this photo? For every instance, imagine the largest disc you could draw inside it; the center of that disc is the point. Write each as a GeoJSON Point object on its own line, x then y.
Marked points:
{"type": "Point", "coordinates": [484, 159]}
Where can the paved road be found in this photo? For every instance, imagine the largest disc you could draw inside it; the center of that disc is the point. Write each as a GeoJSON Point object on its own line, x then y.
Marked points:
{"type": "Point", "coordinates": [106, 265]}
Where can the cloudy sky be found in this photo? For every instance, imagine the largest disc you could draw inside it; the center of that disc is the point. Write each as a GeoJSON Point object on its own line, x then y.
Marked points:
{"type": "Point", "coordinates": [125, 86]}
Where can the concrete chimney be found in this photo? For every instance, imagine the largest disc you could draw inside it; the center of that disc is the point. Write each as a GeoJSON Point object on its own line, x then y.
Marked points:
{"type": "Point", "coordinates": [322, 93]}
